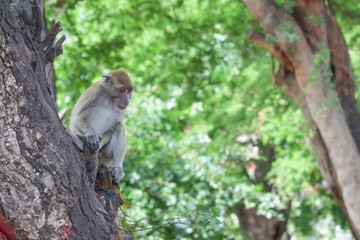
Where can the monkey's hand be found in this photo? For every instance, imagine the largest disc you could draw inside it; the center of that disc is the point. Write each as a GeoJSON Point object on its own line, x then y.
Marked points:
{"type": "Point", "coordinates": [116, 172]}
{"type": "Point", "coordinates": [93, 142]}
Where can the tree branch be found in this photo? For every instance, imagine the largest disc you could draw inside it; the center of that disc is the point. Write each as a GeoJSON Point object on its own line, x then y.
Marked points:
{"type": "Point", "coordinates": [55, 51]}
{"type": "Point", "coordinates": [169, 222]}
{"type": "Point", "coordinates": [260, 39]}
{"type": "Point", "coordinates": [50, 49]}
{"type": "Point", "coordinates": [38, 19]}
{"type": "Point", "coordinates": [49, 40]}
{"type": "Point", "coordinates": [290, 38]}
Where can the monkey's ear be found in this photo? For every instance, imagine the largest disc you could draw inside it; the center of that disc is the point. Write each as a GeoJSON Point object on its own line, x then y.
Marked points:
{"type": "Point", "coordinates": [107, 77]}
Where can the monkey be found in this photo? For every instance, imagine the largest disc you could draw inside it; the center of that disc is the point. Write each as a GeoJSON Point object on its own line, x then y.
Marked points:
{"type": "Point", "coordinates": [97, 120]}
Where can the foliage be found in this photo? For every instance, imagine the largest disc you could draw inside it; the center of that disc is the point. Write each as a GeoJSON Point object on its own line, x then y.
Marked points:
{"type": "Point", "coordinates": [200, 86]}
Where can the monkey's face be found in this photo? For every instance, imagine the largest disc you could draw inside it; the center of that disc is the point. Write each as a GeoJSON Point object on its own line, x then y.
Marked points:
{"type": "Point", "coordinates": [122, 96]}
{"type": "Point", "coordinates": [119, 87]}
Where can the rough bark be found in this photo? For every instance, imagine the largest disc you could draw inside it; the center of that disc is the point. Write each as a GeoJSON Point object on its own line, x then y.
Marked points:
{"type": "Point", "coordinates": [41, 34]}
{"type": "Point", "coordinates": [45, 192]}
{"type": "Point", "coordinates": [308, 76]}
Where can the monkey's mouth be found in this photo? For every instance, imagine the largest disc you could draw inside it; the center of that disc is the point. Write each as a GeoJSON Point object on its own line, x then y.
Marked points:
{"type": "Point", "coordinates": [121, 107]}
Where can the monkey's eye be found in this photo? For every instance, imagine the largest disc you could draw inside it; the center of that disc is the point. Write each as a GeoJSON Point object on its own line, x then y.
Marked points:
{"type": "Point", "coordinates": [122, 90]}
{"type": "Point", "coordinates": [129, 90]}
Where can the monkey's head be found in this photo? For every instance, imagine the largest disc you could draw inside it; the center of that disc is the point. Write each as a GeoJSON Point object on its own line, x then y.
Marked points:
{"type": "Point", "coordinates": [119, 87]}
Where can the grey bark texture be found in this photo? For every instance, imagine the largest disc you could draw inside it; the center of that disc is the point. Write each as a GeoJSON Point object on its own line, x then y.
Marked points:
{"type": "Point", "coordinates": [315, 71]}
{"type": "Point", "coordinates": [45, 192]}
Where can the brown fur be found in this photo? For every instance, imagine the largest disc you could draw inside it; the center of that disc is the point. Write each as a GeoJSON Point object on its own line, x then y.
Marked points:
{"type": "Point", "coordinates": [120, 76]}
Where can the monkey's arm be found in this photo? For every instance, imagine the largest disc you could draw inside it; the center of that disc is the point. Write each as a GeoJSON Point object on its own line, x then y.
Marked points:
{"type": "Point", "coordinates": [80, 125]}
{"type": "Point", "coordinates": [81, 117]}
{"type": "Point", "coordinates": [85, 132]}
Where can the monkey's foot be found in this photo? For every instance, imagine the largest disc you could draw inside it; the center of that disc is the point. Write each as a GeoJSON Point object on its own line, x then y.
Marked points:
{"type": "Point", "coordinates": [127, 237]}
{"type": "Point", "coordinates": [117, 173]}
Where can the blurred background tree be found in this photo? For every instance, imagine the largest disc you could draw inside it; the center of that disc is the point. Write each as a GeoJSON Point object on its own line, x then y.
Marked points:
{"type": "Point", "coordinates": [210, 138]}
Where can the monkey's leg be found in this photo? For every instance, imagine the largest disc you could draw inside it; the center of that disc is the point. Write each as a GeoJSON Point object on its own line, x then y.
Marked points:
{"type": "Point", "coordinates": [119, 151]}
{"type": "Point", "coordinates": [113, 152]}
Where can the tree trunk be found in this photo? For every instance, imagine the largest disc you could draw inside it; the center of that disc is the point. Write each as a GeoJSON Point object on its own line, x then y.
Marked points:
{"type": "Point", "coordinates": [257, 227]}
{"type": "Point", "coordinates": [253, 225]}
{"type": "Point", "coordinates": [314, 69]}
{"type": "Point", "coordinates": [44, 192]}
